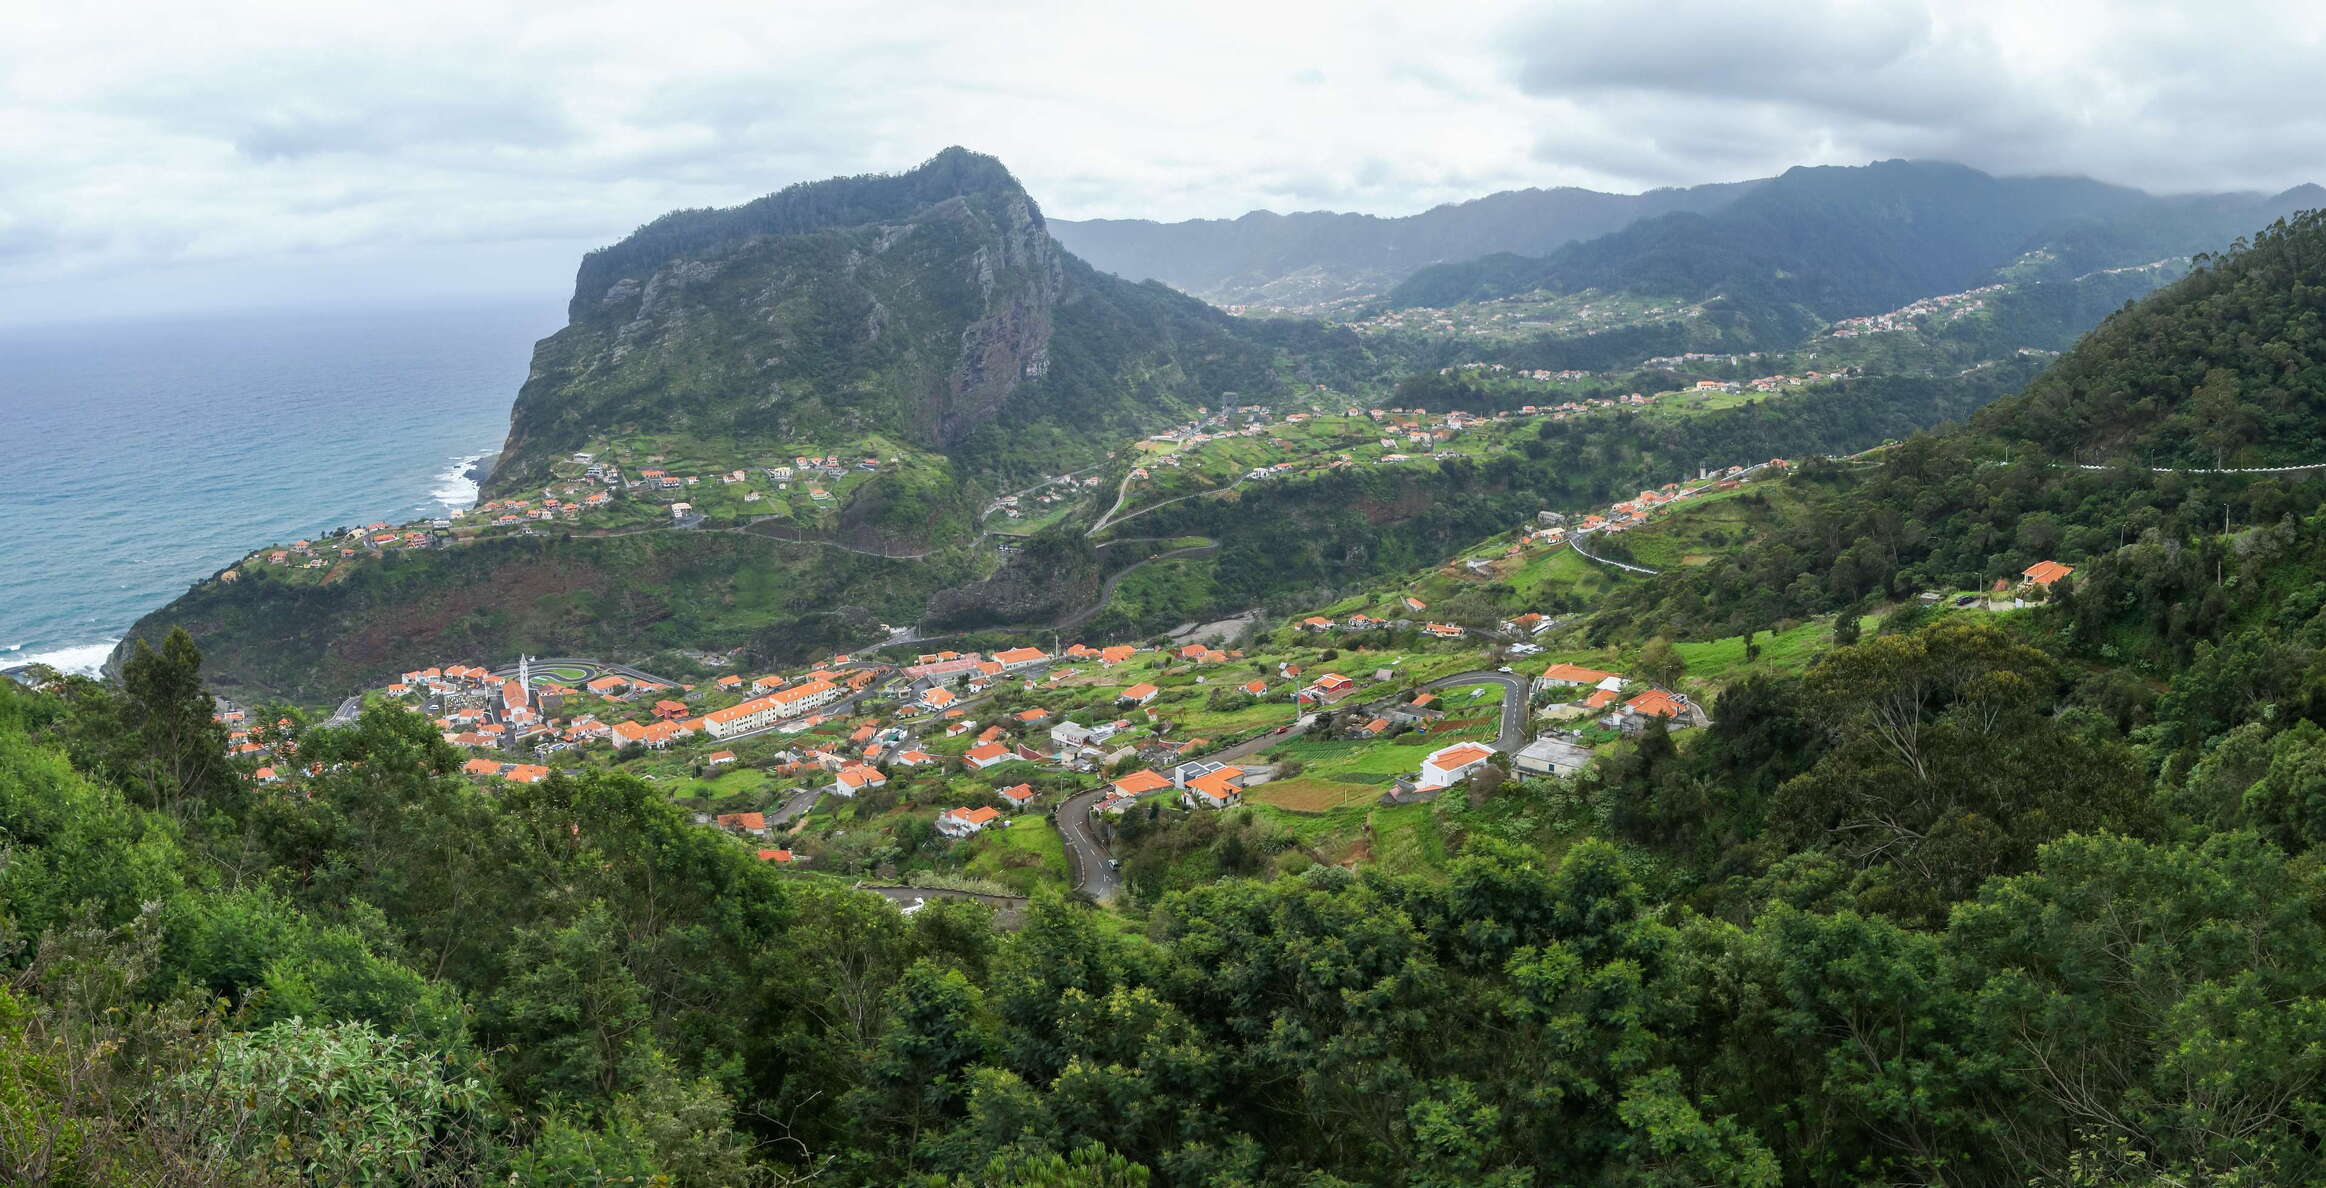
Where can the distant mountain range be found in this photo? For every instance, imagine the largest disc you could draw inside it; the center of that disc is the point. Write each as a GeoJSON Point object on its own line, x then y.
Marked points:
{"type": "Point", "coordinates": [1842, 242]}
{"type": "Point", "coordinates": [1315, 258]}
{"type": "Point", "coordinates": [1835, 241]}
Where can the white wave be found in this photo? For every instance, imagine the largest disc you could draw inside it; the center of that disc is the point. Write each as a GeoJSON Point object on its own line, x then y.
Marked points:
{"type": "Point", "coordinates": [454, 490]}
{"type": "Point", "coordinates": [85, 659]}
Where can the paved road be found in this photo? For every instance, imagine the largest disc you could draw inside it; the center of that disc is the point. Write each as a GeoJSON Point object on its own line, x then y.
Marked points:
{"type": "Point", "coordinates": [1104, 524]}
{"type": "Point", "coordinates": [795, 805]}
{"type": "Point", "coordinates": [1086, 855]}
{"type": "Point", "coordinates": [1577, 541]}
{"type": "Point", "coordinates": [347, 713]}
{"type": "Point", "coordinates": [1515, 691]}
{"type": "Point", "coordinates": [1087, 868]}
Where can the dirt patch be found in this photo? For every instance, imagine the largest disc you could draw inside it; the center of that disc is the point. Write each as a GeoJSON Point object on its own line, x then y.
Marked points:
{"type": "Point", "coordinates": [1697, 558]}
{"type": "Point", "coordinates": [1224, 629]}
{"type": "Point", "coordinates": [1449, 725]}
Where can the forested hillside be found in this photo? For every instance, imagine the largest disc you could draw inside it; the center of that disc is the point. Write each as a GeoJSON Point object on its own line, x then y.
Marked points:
{"type": "Point", "coordinates": [2223, 368]}
{"type": "Point", "coordinates": [1841, 242]}
{"type": "Point", "coordinates": [1313, 258]}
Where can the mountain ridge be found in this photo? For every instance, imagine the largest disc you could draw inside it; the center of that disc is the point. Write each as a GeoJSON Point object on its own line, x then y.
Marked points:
{"type": "Point", "coordinates": [1844, 241]}
{"type": "Point", "coordinates": [931, 304]}
{"type": "Point", "coordinates": [1249, 259]}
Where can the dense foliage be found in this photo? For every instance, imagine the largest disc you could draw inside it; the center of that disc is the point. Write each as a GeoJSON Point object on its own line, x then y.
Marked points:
{"type": "Point", "coordinates": [1301, 542]}
{"type": "Point", "coordinates": [1841, 940]}
{"type": "Point", "coordinates": [2226, 366]}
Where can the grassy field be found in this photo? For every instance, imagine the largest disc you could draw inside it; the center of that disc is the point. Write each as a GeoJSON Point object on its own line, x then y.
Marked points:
{"type": "Point", "coordinates": [1407, 839]}
{"type": "Point", "coordinates": [1720, 661]}
{"type": "Point", "coordinates": [1025, 857]}
{"type": "Point", "coordinates": [728, 784]}
{"type": "Point", "coordinates": [1308, 794]}
{"type": "Point", "coordinates": [1710, 525]}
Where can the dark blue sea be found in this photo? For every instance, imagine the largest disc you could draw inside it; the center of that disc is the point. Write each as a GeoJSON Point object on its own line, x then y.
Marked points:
{"type": "Point", "coordinates": [151, 453]}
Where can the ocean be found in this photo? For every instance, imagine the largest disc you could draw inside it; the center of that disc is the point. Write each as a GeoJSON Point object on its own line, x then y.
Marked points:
{"type": "Point", "coordinates": [152, 453]}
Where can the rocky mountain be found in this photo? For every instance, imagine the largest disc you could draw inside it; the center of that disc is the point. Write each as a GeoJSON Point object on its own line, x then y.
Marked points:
{"type": "Point", "coordinates": [1312, 259]}
{"type": "Point", "coordinates": [932, 305]}
{"type": "Point", "coordinates": [1848, 241]}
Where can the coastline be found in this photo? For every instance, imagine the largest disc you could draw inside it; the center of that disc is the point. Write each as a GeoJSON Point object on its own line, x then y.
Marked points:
{"type": "Point", "coordinates": [453, 489]}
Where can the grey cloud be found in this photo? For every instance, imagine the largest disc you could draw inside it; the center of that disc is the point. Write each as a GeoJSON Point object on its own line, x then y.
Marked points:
{"type": "Point", "coordinates": [1713, 47]}
{"type": "Point", "coordinates": [396, 125]}
{"type": "Point", "coordinates": [2152, 96]}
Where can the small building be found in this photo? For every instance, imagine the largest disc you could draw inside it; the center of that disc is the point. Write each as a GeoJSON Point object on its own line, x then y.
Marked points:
{"type": "Point", "coordinates": [1141, 782]}
{"type": "Point", "coordinates": [754, 824]}
{"type": "Point", "coordinates": [2043, 573]}
{"type": "Point", "coordinates": [962, 822]}
{"type": "Point", "coordinates": [1447, 766]}
{"type": "Point", "coordinates": [1551, 757]}
{"type": "Point", "coordinates": [1327, 689]}
{"type": "Point", "coordinates": [718, 758]}
{"type": "Point", "coordinates": [987, 755]}
{"type": "Point", "coordinates": [1216, 789]}
{"type": "Point", "coordinates": [856, 777]}
{"type": "Point", "coordinates": [1139, 694]}
{"type": "Point", "coordinates": [1019, 797]}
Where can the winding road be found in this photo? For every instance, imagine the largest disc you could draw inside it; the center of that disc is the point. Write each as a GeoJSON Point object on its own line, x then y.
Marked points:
{"type": "Point", "coordinates": [1515, 691]}
{"type": "Point", "coordinates": [1576, 541]}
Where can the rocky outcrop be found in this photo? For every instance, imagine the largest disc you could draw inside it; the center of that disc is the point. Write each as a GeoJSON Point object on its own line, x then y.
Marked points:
{"type": "Point", "coordinates": [928, 305]}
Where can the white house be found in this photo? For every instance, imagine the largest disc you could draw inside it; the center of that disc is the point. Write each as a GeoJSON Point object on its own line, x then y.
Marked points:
{"type": "Point", "coordinates": [1447, 766]}
{"type": "Point", "coordinates": [1215, 789]}
{"type": "Point", "coordinates": [962, 822]}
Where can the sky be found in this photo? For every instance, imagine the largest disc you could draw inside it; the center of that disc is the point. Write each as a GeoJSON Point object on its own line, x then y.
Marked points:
{"type": "Point", "coordinates": [162, 157]}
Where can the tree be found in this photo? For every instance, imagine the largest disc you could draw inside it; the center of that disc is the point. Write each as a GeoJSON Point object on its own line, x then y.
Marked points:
{"type": "Point", "coordinates": [1660, 662]}
{"type": "Point", "coordinates": [1845, 626]}
{"type": "Point", "coordinates": [174, 716]}
{"type": "Point", "coordinates": [576, 1016]}
{"type": "Point", "coordinates": [916, 1079]}
{"type": "Point", "coordinates": [337, 1103]}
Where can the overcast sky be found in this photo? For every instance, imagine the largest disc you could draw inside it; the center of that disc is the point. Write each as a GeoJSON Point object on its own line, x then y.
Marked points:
{"type": "Point", "coordinates": [159, 156]}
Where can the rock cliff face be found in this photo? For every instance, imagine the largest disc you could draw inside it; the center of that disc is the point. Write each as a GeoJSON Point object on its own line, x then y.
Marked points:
{"type": "Point", "coordinates": [931, 305]}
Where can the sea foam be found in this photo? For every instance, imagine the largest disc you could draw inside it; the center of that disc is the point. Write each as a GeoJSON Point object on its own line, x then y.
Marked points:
{"type": "Point", "coordinates": [84, 659]}
{"type": "Point", "coordinates": [454, 490]}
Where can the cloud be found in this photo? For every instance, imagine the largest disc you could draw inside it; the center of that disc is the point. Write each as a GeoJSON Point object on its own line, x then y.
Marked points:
{"type": "Point", "coordinates": [2165, 96]}
{"type": "Point", "coordinates": [158, 137]}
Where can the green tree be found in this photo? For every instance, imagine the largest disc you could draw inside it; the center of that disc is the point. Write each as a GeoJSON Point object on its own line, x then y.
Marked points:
{"type": "Point", "coordinates": [174, 717]}
{"type": "Point", "coordinates": [1660, 662]}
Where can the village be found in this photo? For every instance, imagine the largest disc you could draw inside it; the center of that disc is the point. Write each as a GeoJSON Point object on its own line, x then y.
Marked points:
{"type": "Point", "coordinates": [1379, 703]}
{"type": "Point", "coordinates": [938, 765]}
